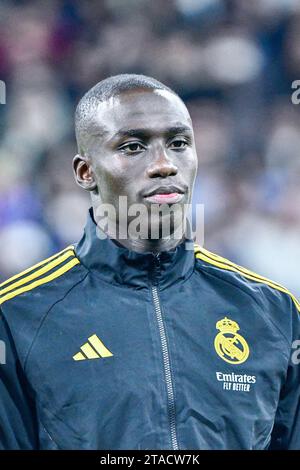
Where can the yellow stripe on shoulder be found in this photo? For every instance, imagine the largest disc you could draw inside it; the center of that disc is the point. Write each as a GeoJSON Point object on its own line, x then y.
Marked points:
{"type": "Point", "coordinates": [59, 272]}
{"type": "Point", "coordinates": [225, 264]}
{"type": "Point", "coordinates": [37, 274]}
{"type": "Point", "coordinates": [32, 268]}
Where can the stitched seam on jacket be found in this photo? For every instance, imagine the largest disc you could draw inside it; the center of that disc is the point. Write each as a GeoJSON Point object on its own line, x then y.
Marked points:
{"type": "Point", "coordinates": [49, 435]}
{"type": "Point", "coordinates": [54, 415]}
{"type": "Point", "coordinates": [44, 319]}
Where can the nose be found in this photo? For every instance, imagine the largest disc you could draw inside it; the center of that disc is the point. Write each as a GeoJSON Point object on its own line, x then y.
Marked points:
{"type": "Point", "coordinates": [162, 166]}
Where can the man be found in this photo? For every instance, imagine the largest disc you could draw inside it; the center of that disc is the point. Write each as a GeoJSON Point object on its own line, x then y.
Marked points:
{"type": "Point", "coordinates": [137, 342]}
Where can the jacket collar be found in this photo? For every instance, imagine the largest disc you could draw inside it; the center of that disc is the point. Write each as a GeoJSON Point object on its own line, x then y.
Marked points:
{"type": "Point", "coordinates": [118, 265]}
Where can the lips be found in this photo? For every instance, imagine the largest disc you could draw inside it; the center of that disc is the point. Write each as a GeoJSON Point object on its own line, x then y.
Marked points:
{"type": "Point", "coordinates": [165, 195]}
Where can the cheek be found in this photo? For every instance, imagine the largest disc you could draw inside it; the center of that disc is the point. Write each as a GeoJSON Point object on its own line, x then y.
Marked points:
{"type": "Point", "coordinates": [194, 163]}
{"type": "Point", "coordinates": [114, 178]}
{"type": "Point", "coordinates": [188, 166]}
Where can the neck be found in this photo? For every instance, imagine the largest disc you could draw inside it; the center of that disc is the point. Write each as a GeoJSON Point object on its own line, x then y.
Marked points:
{"type": "Point", "coordinates": [139, 245]}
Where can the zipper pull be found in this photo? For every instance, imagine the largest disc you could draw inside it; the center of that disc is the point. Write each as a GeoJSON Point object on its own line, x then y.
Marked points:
{"type": "Point", "coordinates": [156, 268]}
{"type": "Point", "coordinates": [157, 259]}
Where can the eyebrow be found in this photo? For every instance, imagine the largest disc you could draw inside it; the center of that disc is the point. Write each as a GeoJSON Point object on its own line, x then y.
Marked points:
{"type": "Point", "coordinates": [144, 132]}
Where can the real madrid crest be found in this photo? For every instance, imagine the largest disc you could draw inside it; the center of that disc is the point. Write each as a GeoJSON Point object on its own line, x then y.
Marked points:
{"type": "Point", "coordinates": [229, 345]}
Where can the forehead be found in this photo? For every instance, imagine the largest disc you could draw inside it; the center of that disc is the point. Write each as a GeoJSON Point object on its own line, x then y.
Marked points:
{"type": "Point", "coordinates": [139, 108]}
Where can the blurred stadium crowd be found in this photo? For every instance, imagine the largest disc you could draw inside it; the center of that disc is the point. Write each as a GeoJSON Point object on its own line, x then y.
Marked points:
{"type": "Point", "coordinates": [232, 62]}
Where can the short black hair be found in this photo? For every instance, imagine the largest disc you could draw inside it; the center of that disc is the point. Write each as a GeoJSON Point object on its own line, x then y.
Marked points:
{"type": "Point", "coordinates": [102, 91]}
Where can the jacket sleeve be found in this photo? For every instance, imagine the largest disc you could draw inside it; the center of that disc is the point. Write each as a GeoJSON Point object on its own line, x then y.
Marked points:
{"type": "Point", "coordinates": [286, 430]}
{"type": "Point", "coordinates": [18, 429]}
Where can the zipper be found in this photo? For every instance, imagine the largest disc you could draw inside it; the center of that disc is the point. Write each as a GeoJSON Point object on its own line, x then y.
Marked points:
{"type": "Point", "coordinates": [166, 362]}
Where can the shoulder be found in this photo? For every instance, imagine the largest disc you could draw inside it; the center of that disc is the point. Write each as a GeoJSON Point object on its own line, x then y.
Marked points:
{"type": "Point", "coordinates": [259, 287]}
{"type": "Point", "coordinates": [27, 297]}
{"type": "Point", "coordinates": [42, 277]}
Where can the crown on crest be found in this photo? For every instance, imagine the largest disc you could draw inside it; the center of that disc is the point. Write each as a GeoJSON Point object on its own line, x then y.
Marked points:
{"type": "Point", "coordinates": [227, 326]}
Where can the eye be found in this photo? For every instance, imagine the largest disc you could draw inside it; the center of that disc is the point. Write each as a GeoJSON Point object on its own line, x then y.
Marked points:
{"type": "Point", "coordinates": [132, 148]}
{"type": "Point", "coordinates": [178, 144]}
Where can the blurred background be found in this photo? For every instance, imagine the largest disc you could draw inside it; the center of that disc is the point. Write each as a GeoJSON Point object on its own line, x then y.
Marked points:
{"type": "Point", "coordinates": [233, 62]}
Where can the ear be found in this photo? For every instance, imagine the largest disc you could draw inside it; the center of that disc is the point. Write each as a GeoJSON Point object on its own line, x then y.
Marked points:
{"type": "Point", "coordinates": [83, 173]}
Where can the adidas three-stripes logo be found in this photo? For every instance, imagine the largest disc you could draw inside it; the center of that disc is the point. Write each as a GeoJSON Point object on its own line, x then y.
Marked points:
{"type": "Point", "coordinates": [93, 349]}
